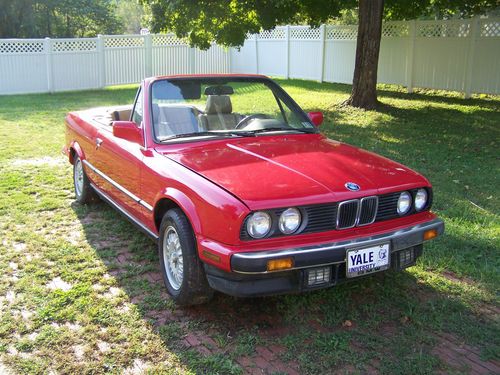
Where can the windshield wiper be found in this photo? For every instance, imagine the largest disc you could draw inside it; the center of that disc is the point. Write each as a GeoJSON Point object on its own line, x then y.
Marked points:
{"type": "Point", "coordinates": [234, 133]}
{"type": "Point", "coordinates": [208, 133]}
{"type": "Point", "coordinates": [300, 130]}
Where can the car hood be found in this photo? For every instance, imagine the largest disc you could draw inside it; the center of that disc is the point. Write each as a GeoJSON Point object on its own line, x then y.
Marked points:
{"type": "Point", "coordinates": [277, 171]}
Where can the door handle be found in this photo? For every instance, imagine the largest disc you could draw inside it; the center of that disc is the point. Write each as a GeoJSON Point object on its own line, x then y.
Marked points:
{"type": "Point", "coordinates": [98, 143]}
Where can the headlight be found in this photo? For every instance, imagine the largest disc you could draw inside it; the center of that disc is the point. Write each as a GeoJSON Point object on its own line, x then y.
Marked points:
{"type": "Point", "coordinates": [420, 199]}
{"type": "Point", "coordinates": [404, 203]}
{"type": "Point", "coordinates": [259, 224]}
{"type": "Point", "coordinates": [289, 221]}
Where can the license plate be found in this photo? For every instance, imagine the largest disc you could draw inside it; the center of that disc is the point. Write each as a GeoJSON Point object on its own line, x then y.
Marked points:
{"type": "Point", "coordinates": [368, 260]}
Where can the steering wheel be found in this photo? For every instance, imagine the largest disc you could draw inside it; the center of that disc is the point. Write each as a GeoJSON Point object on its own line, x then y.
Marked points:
{"type": "Point", "coordinates": [243, 122]}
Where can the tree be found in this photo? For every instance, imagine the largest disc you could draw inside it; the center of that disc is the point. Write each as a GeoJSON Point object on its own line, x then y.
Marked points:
{"type": "Point", "coordinates": [130, 13]}
{"type": "Point", "coordinates": [57, 18]}
{"type": "Point", "coordinates": [364, 83]}
{"type": "Point", "coordinates": [16, 18]}
{"type": "Point", "coordinates": [229, 21]}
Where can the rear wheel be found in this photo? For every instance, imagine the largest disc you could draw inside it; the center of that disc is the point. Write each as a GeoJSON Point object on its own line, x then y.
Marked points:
{"type": "Point", "coordinates": [83, 191]}
{"type": "Point", "coordinates": [182, 270]}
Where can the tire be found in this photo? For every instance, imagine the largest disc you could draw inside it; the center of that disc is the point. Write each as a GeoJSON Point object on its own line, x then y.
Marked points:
{"type": "Point", "coordinates": [182, 270]}
{"type": "Point", "coordinates": [83, 191]}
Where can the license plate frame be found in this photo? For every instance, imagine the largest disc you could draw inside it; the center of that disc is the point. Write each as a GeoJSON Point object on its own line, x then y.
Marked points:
{"type": "Point", "coordinates": [358, 261]}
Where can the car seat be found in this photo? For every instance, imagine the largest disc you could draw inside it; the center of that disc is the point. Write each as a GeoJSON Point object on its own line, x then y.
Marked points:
{"type": "Point", "coordinates": [174, 119]}
{"type": "Point", "coordinates": [218, 114]}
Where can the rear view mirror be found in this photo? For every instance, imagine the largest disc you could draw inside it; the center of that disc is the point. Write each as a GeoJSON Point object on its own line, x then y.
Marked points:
{"type": "Point", "coordinates": [219, 90]}
{"type": "Point", "coordinates": [128, 130]}
{"type": "Point", "coordinates": [316, 118]}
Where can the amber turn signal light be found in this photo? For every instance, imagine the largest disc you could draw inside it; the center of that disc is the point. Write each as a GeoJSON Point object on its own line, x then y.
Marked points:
{"type": "Point", "coordinates": [430, 234]}
{"type": "Point", "coordinates": [280, 264]}
{"type": "Point", "coordinates": [211, 256]}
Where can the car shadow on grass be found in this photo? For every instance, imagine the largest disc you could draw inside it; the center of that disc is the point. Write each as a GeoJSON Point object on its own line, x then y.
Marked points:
{"type": "Point", "coordinates": [378, 324]}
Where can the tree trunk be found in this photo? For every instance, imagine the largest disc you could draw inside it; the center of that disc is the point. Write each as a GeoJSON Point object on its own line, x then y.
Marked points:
{"type": "Point", "coordinates": [364, 85]}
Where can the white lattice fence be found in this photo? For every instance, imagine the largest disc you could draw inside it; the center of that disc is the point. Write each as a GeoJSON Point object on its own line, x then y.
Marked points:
{"type": "Point", "coordinates": [453, 55]}
{"type": "Point", "coordinates": [485, 50]}
{"type": "Point", "coordinates": [81, 56]}
{"type": "Point", "coordinates": [46, 65]}
{"type": "Point", "coordinates": [23, 66]}
{"type": "Point", "coordinates": [125, 59]}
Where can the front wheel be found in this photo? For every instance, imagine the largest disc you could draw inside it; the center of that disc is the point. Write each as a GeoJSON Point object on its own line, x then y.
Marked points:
{"type": "Point", "coordinates": [182, 270]}
{"type": "Point", "coordinates": [83, 191]}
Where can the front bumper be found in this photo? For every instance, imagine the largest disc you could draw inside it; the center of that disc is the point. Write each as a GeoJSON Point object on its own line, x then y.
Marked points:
{"type": "Point", "coordinates": [251, 278]}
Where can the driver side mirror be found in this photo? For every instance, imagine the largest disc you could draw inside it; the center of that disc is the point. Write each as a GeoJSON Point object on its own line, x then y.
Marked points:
{"type": "Point", "coordinates": [316, 118]}
{"type": "Point", "coordinates": [128, 130]}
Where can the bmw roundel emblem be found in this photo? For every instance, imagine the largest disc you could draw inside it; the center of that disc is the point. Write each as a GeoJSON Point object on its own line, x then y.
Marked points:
{"type": "Point", "coordinates": [352, 186]}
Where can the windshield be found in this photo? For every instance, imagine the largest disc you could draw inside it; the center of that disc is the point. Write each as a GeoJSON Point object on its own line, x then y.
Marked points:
{"type": "Point", "coordinates": [223, 106]}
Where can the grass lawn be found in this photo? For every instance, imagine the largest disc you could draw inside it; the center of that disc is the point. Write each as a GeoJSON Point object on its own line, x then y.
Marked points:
{"type": "Point", "coordinates": [80, 289]}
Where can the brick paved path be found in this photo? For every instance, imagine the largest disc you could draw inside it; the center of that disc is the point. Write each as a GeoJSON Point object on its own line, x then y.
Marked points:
{"type": "Point", "coordinates": [268, 360]}
{"type": "Point", "coordinates": [461, 357]}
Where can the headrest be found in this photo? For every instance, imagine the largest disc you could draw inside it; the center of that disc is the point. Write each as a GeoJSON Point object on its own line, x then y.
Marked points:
{"type": "Point", "coordinates": [218, 104]}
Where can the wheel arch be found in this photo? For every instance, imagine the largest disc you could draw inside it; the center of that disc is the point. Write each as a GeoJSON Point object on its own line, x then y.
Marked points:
{"type": "Point", "coordinates": [75, 149]}
{"type": "Point", "coordinates": [173, 198]}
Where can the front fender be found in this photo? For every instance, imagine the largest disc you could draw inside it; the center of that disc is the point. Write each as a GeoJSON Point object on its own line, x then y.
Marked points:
{"type": "Point", "coordinates": [184, 202]}
{"type": "Point", "coordinates": [212, 211]}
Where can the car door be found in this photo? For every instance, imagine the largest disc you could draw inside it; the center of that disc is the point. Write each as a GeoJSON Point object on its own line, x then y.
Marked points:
{"type": "Point", "coordinates": [119, 162]}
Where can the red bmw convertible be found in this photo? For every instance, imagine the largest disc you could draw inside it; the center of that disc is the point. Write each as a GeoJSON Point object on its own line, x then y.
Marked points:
{"type": "Point", "coordinates": [242, 193]}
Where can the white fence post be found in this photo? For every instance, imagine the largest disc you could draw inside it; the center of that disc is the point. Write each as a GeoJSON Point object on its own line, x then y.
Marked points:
{"type": "Point", "coordinates": [322, 38]}
{"type": "Point", "coordinates": [256, 55]}
{"type": "Point", "coordinates": [101, 61]}
{"type": "Point", "coordinates": [192, 63]}
{"type": "Point", "coordinates": [411, 50]}
{"type": "Point", "coordinates": [148, 55]}
{"type": "Point", "coordinates": [287, 41]}
{"type": "Point", "coordinates": [47, 47]}
{"type": "Point", "coordinates": [474, 27]}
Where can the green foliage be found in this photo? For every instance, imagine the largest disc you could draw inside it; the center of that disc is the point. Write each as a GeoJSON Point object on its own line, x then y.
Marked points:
{"type": "Point", "coordinates": [410, 9]}
{"type": "Point", "coordinates": [131, 16]}
{"type": "Point", "coordinates": [52, 18]}
{"type": "Point", "coordinates": [228, 21]}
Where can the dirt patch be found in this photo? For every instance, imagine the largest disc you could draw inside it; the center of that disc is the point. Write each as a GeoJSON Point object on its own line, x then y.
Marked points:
{"type": "Point", "coordinates": [456, 279]}
{"type": "Point", "coordinates": [113, 292]}
{"type": "Point", "coordinates": [79, 351]}
{"type": "Point", "coordinates": [36, 162]}
{"type": "Point", "coordinates": [139, 367]}
{"type": "Point", "coordinates": [58, 283]}
{"type": "Point", "coordinates": [103, 346]}
{"type": "Point", "coordinates": [4, 370]}
{"type": "Point", "coordinates": [19, 246]}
